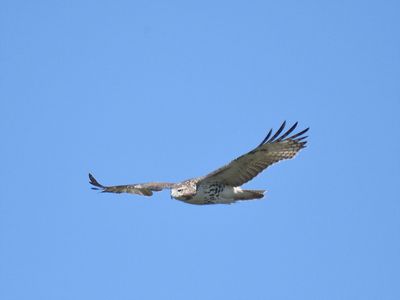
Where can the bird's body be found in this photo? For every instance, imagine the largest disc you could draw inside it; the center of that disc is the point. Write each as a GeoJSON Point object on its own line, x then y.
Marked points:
{"type": "Point", "coordinates": [223, 185]}
{"type": "Point", "coordinates": [215, 193]}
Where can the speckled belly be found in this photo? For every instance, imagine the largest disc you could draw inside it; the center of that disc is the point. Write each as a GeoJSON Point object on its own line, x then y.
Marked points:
{"type": "Point", "coordinates": [212, 194]}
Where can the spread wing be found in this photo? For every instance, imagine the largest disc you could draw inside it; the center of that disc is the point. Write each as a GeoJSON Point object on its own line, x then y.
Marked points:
{"type": "Point", "coordinates": [144, 189]}
{"type": "Point", "coordinates": [269, 151]}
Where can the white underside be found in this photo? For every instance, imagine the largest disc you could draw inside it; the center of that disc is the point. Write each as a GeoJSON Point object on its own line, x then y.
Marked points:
{"type": "Point", "coordinates": [225, 197]}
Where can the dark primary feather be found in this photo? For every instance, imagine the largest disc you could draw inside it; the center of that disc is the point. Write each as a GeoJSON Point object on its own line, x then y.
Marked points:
{"type": "Point", "coordinates": [269, 151]}
{"type": "Point", "coordinates": [288, 132]}
{"type": "Point", "coordinates": [278, 132]}
{"type": "Point", "coordinates": [293, 137]}
{"type": "Point", "coordinates": [95, 183]}
{"type": "Point", "coordinates": [266, 138]}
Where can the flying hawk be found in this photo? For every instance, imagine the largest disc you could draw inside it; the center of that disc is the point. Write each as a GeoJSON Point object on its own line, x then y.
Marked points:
{"type": "Point", "coordinates": [223, 185]}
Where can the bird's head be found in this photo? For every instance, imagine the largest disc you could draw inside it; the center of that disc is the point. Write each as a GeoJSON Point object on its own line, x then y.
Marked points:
{"type": "Point", "coordinates": [183, 191]}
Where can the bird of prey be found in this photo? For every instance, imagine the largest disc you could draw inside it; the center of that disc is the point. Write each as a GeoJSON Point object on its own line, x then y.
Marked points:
{"type": "Point", "coordinates": [222, 186]}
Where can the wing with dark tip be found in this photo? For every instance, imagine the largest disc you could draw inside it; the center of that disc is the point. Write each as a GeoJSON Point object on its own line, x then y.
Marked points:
{"type": "Point", "coordinates": [144, 189]}
{"type": "Point", "coordinates": [269, 151]}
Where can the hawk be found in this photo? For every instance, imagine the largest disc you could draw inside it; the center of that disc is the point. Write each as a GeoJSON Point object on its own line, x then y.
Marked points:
{"type": "Point", "coordinates": [222, 186]}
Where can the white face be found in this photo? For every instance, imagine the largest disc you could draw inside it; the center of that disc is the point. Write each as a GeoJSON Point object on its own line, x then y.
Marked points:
{"type": "Point", "coordinates": [183, 192]}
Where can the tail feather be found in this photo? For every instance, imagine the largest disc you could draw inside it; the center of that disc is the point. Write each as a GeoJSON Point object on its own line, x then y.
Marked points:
{"type": "Point", "coordinates": [250, 194]}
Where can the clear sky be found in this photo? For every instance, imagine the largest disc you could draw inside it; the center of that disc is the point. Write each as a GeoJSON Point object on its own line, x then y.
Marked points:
{"type": "Point", "coordinates": [137, 91]}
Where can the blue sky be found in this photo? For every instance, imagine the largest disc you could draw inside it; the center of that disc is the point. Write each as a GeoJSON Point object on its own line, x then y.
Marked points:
{"type": "Point", "coordinates": [136, 91]}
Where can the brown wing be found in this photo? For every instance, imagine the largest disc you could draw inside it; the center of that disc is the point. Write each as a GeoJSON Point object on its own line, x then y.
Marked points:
{"type": "Point", "coordinates": [270, 151]}
{"type": "Point", "coordinates": [144, 189]}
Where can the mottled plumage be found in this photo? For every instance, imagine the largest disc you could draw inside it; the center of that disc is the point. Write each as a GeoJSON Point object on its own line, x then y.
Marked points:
{"type": "Point", "coordinates": [223, 185]}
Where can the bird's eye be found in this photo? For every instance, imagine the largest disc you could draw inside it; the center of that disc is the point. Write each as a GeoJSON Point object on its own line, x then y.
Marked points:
{"type": "Point", "coordinates": [180, 190]}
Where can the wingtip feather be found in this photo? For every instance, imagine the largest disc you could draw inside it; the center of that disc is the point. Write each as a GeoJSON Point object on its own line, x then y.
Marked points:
{"type": "Point", "coordinates": [277, 133]}
{"type": "Point", "coordinates": [266, 138]}
{"type": "Point", "coordinates": [276, 138]}
{"type": "Point", "coordinates": [94, 182]}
